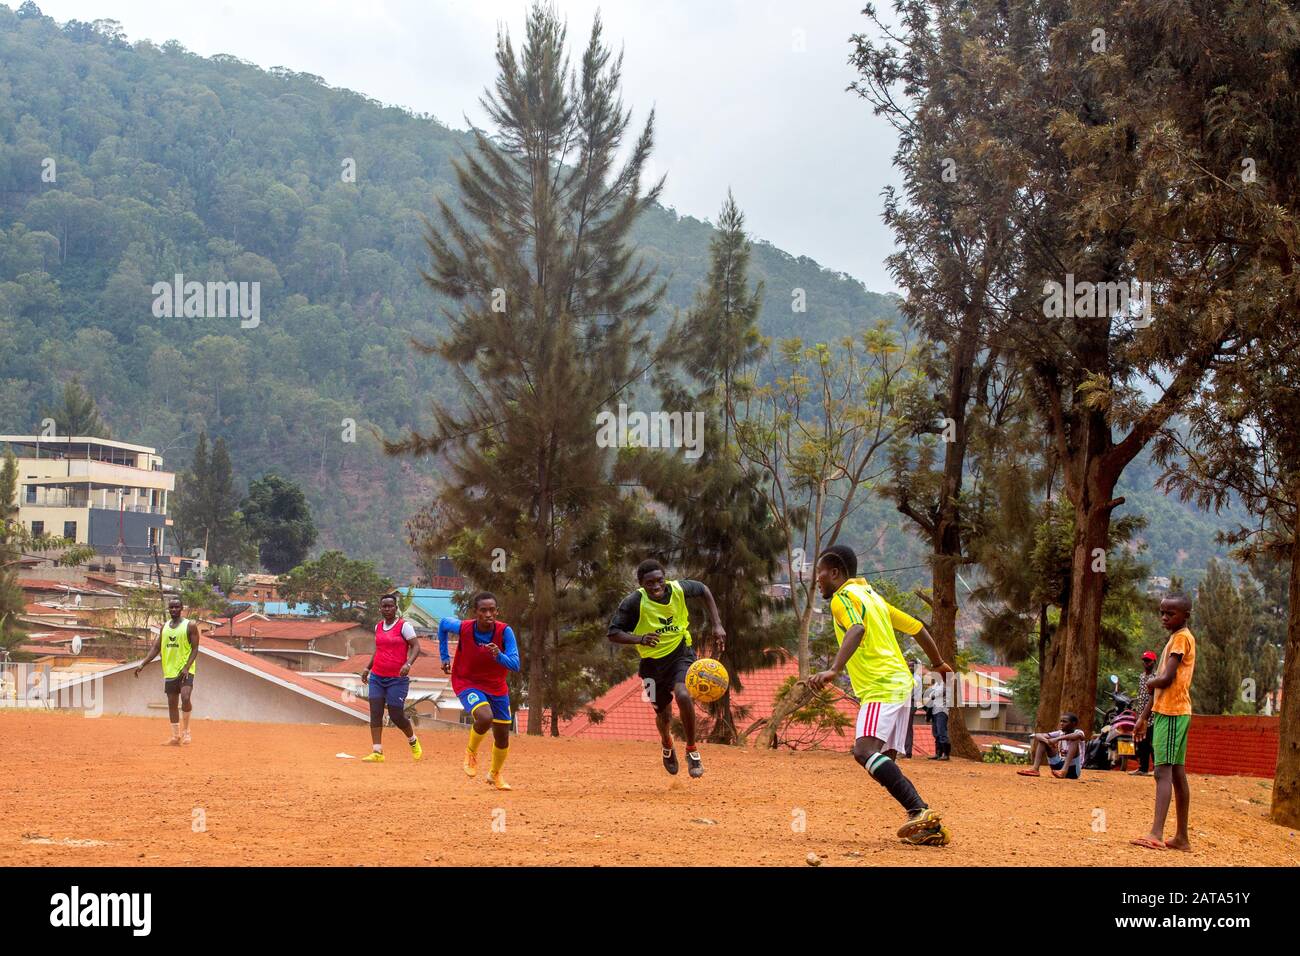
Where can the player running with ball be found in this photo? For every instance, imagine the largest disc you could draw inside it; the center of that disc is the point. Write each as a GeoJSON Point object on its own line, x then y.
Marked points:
{"type": "Point", "coordinates": [485, 650]}
{"type": "Point", "coordinates": [654, 619]}
{"type": "Point", "coordinates": [864, 627]}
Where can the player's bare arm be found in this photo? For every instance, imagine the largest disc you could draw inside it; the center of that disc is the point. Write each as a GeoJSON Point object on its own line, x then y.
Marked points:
{"type": "Point", "coordinates": [937, 663]}
{"type": "Point", "coordinates": [852, 638]}
{"type": "Point", "coordinates": [153, 652]}
{"type": "Point", "coordinates": [715, 619]}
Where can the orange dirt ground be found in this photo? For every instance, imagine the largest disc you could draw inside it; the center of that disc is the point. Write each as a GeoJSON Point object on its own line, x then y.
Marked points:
{"type": "Point", "coordinates": [87, 792]}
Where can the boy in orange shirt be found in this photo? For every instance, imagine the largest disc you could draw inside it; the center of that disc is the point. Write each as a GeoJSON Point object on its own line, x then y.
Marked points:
{"type": "Point", "coordinates": [1170, 714]}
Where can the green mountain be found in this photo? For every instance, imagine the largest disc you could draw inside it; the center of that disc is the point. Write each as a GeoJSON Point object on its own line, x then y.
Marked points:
{"type": "Point", "coordinates": [124, 165]}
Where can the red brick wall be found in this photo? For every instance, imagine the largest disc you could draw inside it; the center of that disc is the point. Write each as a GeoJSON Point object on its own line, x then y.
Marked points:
{"type": "Point", "coordinates": [1233, 746]}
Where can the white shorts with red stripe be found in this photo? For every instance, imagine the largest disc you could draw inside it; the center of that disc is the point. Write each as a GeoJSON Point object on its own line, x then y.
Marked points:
{"type": "Point", "coordinates": [887, 722]}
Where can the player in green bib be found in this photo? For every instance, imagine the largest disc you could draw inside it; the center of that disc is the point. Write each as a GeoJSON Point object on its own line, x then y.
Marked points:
{"type": "Point", "coordinates": [655, 620]}
{"type": "Point", "coordinates": [178, 642]}
{"type": "Point", "coordinates": [882, 681]}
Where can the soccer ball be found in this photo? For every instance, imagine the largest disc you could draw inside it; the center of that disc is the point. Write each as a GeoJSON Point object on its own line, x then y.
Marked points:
{"type": "Point", "coordinates": [707, 680]}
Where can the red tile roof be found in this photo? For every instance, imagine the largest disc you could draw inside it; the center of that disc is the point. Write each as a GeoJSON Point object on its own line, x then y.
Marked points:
{"type": "Point", "coordinates": [281, 630]}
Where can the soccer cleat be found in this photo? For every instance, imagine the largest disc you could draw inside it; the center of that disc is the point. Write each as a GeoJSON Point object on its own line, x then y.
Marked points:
{"type": "Point", "coordinates": [416, 750]}
{"type": "Point", "coordinates": [470, 766]}
{"type": "Point", "coordinates": [695, 764]}
{"type": "Point", "coordinates": [185, 738]}
{"type": "Point", "coordinates": [938, 836]}
{"type": "Point", "coordinates": [373, 757]}
{"type": "Point", "coordinates": [670, 761]}
{"type": "Point", "coordinates": [498, 780]}
{"type": "Point", "coordinates": [920, 822]}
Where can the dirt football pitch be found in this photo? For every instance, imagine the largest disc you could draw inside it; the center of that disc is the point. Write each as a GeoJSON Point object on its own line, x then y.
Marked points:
{"type": "Point", "coordinates": [91, 792]}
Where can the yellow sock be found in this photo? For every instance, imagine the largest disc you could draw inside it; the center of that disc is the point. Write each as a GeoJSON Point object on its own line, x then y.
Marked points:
{"type": "Point", "coordinates": [498, 758]}
{"type": "Point", "coordinates": [475, 740]}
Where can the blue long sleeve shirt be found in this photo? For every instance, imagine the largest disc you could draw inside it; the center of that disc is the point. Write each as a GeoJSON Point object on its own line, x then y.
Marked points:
{"type": "Point", "coordinates": [450, 627]}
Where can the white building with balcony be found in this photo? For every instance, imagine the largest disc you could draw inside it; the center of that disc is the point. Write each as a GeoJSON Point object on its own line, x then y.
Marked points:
{"type": "Point", "coordinates": [110, 495]}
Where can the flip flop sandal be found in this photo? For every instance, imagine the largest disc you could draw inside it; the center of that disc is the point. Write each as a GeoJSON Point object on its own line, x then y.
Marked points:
{"type": "Point", "coordinates": [1028, 773]}
{"type": "Point", "coordinates": [1148, 844]}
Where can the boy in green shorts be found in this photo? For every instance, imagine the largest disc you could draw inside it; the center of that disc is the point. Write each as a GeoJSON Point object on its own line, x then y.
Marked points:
{"type": "Point", "coordinates": [1169, 712]}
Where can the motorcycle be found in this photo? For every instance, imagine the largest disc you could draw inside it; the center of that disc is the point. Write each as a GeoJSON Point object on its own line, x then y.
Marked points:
{"type": "Point", "coordinates": [1113, 743]}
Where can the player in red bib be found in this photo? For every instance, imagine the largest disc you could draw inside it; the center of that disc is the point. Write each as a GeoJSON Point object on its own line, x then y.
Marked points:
{"type": "Point", "coordinates": [386, 676]}
{"type": "Point", "coordinates": [485, 650]}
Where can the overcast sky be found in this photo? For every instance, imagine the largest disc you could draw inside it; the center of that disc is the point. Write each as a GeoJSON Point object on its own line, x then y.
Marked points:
{"type": "Point", "coordinates": [748, 94]}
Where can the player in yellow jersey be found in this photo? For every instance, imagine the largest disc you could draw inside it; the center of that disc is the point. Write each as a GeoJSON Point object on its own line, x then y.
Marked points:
{"type": "Point", "coordinates": [869, 652]}
{"type": "Point", "coordinates": [178, 642]}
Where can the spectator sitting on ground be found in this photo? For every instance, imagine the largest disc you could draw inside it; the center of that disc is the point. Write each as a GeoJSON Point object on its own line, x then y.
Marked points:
{"type": "Point", "coordinates": [1062, 749]}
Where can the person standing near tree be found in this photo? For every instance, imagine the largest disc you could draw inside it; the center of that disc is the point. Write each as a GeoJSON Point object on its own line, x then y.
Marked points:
{"type": "Point", "coordinates": [936, 702]}
{"type": "Point", "coordinates": [1143, 702]}
{"type": "Point", "coordinates": [1170, 716]}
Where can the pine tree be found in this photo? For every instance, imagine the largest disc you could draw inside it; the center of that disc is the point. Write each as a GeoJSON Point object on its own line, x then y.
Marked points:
{"type": "Point", "coordinates": [77, 414]}
{"type": "Point", "coordinates": [207, 507]}
{"type": "Point", "coordinates": [11, 595]}
{"type": "Point", "coordinates": [546, 329]}
{"type": "Point", "coordinates": [1222, 627]}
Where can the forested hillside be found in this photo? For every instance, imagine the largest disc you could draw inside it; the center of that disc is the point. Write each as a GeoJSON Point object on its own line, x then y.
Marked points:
{"type": "Point", "coordinates": [124, 164]}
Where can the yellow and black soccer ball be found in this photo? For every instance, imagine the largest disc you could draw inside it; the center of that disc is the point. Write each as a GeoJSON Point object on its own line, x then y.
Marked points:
{"type": "Point", "coordinates": [707, 680]}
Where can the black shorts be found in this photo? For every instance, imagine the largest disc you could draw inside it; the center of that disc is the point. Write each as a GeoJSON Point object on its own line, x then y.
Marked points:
{"type": "Point", "coordinates": [172, 685]}
{"type": "Point", "coordinates": [660, 675]}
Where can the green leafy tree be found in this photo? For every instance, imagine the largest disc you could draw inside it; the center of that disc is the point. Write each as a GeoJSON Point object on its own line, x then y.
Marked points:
{"type": "Point", "coordinates": [338, 586]}
{"type": "Point", "coordinates": [278, 520]}
{"type": "Point", "coordinates": [816, 429]}
{"type": "Point", "coordinates": [549, 302]}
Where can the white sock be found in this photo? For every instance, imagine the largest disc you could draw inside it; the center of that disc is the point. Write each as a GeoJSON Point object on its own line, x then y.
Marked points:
{"type": "Point", "coordinates": [412, 740]}
{"type": "Point", "coordinates": [176, 730]}
{"type": "Point", "coordinates": [378, 748]}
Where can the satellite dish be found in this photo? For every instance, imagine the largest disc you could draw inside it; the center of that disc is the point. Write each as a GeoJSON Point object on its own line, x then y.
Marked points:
{"type": "Point", "coordinates": [76, 643]}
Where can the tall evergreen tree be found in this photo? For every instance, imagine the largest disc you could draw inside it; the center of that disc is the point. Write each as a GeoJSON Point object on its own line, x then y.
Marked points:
{"type": "Point", "coordinates": [546, 330]}
{"type": "Point", "coordinates": [722, 527]}
{"type": "Point", "coordinates": [207, 507]}
{"type": "Point", "coordinates": [11, 595]}
{"type": "Point", "coordinates": [1222, 629]}
{"type": "Point", "coordinates": [77, 414]}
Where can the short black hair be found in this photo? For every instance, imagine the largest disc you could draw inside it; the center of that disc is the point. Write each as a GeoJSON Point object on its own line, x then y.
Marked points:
{"type": "Point", "coordinates": [391, 596]}
{"type": "Point", "coordinates": [483, 596]}
{"type": "Point", "coordinates": [648, 566]}
{"type": "Point", "coordinates": [842, 555]}
{"type": "Point", "coordinates": [1180, 599]}
{"type": "Point", "coordinates": [1071, 716]}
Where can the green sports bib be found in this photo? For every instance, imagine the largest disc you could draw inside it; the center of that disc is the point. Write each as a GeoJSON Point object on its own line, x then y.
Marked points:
{"type": "Point", "coordinates": [669, 622]}
{"type": "Point", "coordinates": [176, 648]}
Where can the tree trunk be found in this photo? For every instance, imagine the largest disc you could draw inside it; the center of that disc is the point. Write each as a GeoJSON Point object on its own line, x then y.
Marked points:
{"type": "Point", "coordinates": [943, 628]}
{"type": "Point", "coordinates": [805, 624]}
{"type": "Point", "coordinates": [1286, 779]}
{"type": "Point", "coordinates": [1049, 688]}
{"type": "Point", "coordinates": [1081, 635]}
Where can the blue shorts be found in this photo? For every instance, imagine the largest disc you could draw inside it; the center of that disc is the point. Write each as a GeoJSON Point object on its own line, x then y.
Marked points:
{"type": "Point", "coordinates": [1056, 763]}
{"type": "Point", "coordinates": [391, 690]}
{"type": "Point", "coordinates": [472, 697]}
